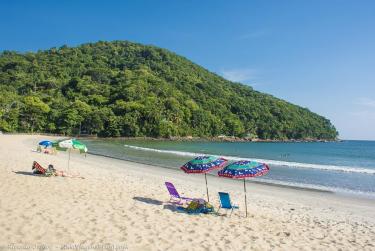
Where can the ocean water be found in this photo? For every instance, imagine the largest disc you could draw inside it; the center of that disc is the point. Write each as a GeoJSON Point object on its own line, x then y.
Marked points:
{"type": "Point", "coordinates": [344, 167]}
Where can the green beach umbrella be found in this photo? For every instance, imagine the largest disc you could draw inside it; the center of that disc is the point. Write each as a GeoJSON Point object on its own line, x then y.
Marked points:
{"type": "Point", "coordinates": [69, 145]}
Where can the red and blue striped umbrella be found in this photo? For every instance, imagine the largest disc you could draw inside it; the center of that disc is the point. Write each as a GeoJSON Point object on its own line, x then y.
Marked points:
{"type": "Point", "coordinates": [204, 164]}
{"type": "Point", "coordinates": [244, 169]}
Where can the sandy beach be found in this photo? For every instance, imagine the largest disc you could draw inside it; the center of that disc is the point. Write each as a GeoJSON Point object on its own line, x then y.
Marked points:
{"type": "Point", "coordinates": [122, 205]}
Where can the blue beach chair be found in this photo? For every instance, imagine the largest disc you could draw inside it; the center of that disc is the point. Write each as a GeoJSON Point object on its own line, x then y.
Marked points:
{"type": "Point", "coordinates": [226, 203]}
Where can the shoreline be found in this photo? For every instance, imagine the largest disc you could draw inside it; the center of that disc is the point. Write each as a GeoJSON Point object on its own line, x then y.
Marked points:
{"type": "Point", "coordinates": [125, 203]}
{"type": "Point", "coordinates": [340, 193]}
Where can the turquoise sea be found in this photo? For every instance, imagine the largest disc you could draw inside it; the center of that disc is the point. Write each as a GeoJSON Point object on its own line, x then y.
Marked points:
{"type": "Point", "coordinates": [347, 166]}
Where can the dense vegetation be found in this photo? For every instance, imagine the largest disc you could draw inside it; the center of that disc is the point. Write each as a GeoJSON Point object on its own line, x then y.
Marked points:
{"type": "Point", "coordinates": [127, 89]}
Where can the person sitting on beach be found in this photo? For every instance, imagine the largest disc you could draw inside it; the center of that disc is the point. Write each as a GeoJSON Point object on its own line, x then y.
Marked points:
{"type": "Point", "coordinates": [46, 149]}
{"type": "Point", "coordinates": [49, 151]}
{"type": "Point", "coordinates": [54, 172]}
{"type": "Point", "coordinates": [51, 171]}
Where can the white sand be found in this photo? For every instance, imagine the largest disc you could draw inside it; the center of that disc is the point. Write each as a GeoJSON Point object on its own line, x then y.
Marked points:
{"type": "Point", "coordinates": [122, 204]}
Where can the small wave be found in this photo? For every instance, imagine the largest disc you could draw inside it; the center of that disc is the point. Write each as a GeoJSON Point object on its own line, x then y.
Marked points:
{"type": "Point", "coordinates": [270, 162]}
{"type": "Point", "coordinates": [317, 187]}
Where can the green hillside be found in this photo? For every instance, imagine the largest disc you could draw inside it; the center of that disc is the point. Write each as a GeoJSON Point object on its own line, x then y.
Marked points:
{"type": "Point", "coordinates": [127, 89]}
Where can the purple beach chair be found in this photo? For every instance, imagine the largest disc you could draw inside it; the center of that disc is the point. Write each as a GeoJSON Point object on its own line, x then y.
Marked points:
{"type": "Point", "coordinates": [175, 196]}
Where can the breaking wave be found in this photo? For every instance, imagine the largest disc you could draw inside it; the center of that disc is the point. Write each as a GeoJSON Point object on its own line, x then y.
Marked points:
{"type": "Point", "coordinates": [347, 169]}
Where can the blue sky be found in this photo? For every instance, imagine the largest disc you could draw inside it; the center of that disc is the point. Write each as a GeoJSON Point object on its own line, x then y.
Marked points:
{"type": "Point", "coordinates": [317, 54]}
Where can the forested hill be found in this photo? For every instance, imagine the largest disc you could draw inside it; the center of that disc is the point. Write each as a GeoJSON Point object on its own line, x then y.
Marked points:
{"type": "Point", "coordinates": [127, 89]}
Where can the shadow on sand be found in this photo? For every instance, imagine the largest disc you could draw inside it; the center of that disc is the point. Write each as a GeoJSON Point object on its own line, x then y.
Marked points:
{"type": "Point", "coordinates": [28, 174]}
{"type": "Point", "coordinates": [170, 207]}
{"type": "Point", "coordinates": [148, 201]}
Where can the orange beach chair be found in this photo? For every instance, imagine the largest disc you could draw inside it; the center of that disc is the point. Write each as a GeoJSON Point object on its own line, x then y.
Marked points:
{"type": "Point", "coordinates": [38, 169]}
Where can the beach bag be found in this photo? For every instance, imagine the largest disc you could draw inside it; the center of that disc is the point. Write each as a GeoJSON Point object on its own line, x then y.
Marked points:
{"type": "Point", "coordinates": [208, 208]}
{"type": "Point", "coordinates": [193, 206]}
{"type": "Point", "coordinates": [196, 207]}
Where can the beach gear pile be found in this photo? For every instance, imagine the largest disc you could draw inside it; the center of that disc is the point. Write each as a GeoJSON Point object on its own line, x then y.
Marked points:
{"type": "Point", "coordinates": [186, 204]}
{"type": "Point", "coordinates": [198, 207]}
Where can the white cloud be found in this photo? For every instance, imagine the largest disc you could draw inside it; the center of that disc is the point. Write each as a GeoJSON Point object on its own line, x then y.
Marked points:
{"type": "Point", "coordinates": [367, 102]}
{"type": "Point", "coordinates": [240, 75]}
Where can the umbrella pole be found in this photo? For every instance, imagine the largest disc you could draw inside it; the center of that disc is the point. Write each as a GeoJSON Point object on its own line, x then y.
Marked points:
{"type": "Point", "coordinates": [244, 189]}
{"type": "Point", "coordinates": [69, 160]}
{"type": "Point", "coordinates": [208, 198]}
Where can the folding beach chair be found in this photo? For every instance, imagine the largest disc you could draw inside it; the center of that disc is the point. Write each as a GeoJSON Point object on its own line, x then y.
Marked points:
{"type": "Point", "coordinates": [38, 169]}
{"type": "Point", "coordinates": [175, 196]}
{"type": "Point", "coordinates": [226, 203]}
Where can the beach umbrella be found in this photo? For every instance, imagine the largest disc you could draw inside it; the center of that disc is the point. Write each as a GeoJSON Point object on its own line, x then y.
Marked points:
{"type": "Point", "coordinates": [45, 143]}
{"type": "Point", "coordinates": [244, 169]}
{"type": "Point", "coordinates": [68, 145]}
{"type": "Point", "coordinates": [204, 164]}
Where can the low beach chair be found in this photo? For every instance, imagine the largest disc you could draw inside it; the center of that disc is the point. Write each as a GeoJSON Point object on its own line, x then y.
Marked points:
{"type": "Point", "coordinates": [175, 196]}
{"type": "Point", "coordinates": [226, 203]}
{"type": "Point", "coordinates": [51, 171]}
{"type": "Point", "coordinates": [38, 169]}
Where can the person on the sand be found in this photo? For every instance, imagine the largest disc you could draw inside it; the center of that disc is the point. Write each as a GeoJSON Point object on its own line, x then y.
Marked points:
{"type": "Point", "coordinates": [54, 172]}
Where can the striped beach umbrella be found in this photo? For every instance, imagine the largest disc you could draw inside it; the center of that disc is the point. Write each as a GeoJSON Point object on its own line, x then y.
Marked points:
{"type": "Point", "coordinates": [204, 164]}
{"type": "Point", "coordinates": [244, 169]}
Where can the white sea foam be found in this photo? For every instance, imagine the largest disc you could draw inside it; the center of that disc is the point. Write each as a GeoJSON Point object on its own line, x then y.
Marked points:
{"type": "Point", "coordinates": [317, 187]}
{"type": "Point", "coordinates": [270, 162]}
